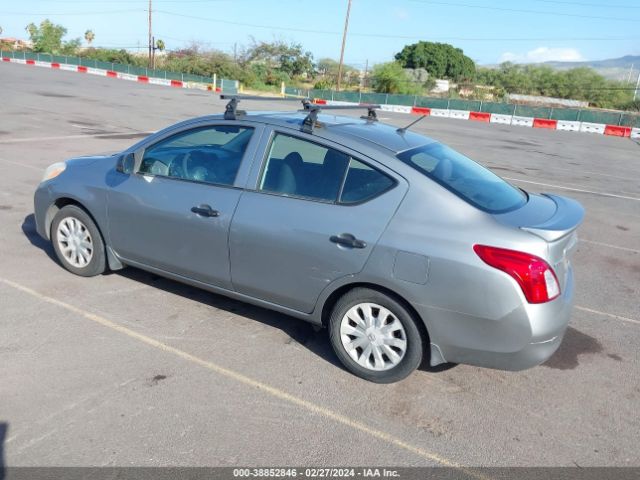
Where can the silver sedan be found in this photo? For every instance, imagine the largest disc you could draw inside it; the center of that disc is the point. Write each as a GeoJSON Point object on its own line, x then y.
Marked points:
{"type": "Point", "coordinates": [402, 247]}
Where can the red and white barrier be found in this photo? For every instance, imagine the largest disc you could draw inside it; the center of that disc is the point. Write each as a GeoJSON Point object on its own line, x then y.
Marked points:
{"type": "Point", "coordinates": [112, 74]}
{"type": "Point", "coordinates": [522, 121]}
{"type": "Point", "coordinates": [499, 118]}
{"type": "Point", "coordinates": [459, 114]}
{"type": "Point", "coordinates": [544, 123]}
{"type": "Point", "coordinates": [587, 127]}
{"type": "Point", "coordinates": [569, 126]}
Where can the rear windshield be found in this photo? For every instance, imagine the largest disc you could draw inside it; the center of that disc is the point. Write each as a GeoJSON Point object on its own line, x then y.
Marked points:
{"type": "Point", "coordinates": [464, 177]}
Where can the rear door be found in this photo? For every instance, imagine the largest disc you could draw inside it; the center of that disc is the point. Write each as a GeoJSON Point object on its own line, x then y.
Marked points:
{"type": "Point", "coordinates": [174, 213]}
{"type": "Point", "coordinates": [314, 214]}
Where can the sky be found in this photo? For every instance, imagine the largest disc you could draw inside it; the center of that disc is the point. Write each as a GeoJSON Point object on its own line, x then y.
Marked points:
{"type": "Point", "coordinates": [488, 31]}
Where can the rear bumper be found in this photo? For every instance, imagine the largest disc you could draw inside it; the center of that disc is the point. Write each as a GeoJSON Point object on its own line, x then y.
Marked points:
{"type": "Point", "coordinates": [524, 338]}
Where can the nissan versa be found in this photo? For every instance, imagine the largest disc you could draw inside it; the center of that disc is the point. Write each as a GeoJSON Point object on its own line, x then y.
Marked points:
{"type": "Point", "coordinates": [402, 247]}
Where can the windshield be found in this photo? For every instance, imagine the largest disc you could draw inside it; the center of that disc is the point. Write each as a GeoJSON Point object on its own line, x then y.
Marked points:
{"type": "Point", "coordinates": [464, 177]}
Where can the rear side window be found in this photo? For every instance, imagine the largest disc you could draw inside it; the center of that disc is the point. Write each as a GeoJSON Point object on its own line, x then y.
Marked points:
{"type": "Point", "coordinates": [301, 168]}
{"type": "Point", "coordinates": [464, 177]}
{"type": "Point", "coordinates": [363, 183]}
{"type": "Point", "coordinates": [207, 154]}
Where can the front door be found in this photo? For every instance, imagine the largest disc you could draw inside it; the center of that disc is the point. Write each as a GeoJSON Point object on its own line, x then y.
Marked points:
{"type": "Point", "coordinates": [314, 217]}
{"type": "Point", "coordinates": [174, 213]}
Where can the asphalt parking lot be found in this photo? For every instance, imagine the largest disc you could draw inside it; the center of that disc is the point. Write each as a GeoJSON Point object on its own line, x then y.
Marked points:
{"type": "Point", "coordinates": [129, 369]}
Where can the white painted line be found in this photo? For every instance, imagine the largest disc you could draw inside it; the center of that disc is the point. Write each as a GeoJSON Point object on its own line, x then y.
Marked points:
{"type": "Point", "coordinates": [610, 315]}
{"type": "Point", "coordinates": [608, 245]}
{"type": "Point", "coordinates": [562, 187]}
{"type": "Point", "coordinates": [70, 137]}
{"type": "Point", "coordinates": [265, 388]}
{"type": "Point", "coordinates": [12, 162]}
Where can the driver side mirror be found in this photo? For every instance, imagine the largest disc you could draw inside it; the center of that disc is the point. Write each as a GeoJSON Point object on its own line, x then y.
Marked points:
{"type": "Point", "coordinates": [126, 163]}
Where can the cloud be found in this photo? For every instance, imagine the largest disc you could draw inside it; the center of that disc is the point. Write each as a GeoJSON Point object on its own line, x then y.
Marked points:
{"type": "Point", "coordinates": [543, 54]}
{"type": "Point", "coordinates": [401, 14]}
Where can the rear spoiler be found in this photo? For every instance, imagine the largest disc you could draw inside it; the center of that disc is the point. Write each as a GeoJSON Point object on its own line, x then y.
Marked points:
{"type": "Point", "coordinates": [568, 216]}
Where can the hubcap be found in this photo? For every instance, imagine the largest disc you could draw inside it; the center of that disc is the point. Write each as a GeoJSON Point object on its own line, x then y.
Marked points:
{"type": "Point", "coordinates": [74, 242]}
{"type": "Point", "coordinates": [373, 336]}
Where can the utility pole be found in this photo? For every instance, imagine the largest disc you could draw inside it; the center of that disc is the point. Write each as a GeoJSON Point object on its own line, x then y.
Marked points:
{"type": "Point", "coordinates": [344, 39]}
{"type": "Point", "coordinates": [150, 37]}
{"type": "Point", "coordinates": [364, 79]}
{"type": "Point", "coordinates": [635, 92]}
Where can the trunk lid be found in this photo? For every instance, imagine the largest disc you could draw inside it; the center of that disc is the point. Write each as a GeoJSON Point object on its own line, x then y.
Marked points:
{"type": "Point", "coordinates": [553, 218]}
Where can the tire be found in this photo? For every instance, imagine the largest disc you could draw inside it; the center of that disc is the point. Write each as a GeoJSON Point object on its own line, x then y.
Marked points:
{"type": "Point", "coordinates": [77, 242]}
{"type": "Point", "coordinates": [352, 334]}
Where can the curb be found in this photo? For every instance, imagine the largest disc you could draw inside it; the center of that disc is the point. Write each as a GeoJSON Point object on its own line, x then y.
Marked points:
{"type": "Point", "coordinates": [111, 74]}
{"type": "Point", "coordinates": [486, 117]}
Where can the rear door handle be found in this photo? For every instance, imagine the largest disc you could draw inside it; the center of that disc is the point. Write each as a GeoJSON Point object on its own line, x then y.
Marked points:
{"type": "Point", "coordinates": [205, 211]}
{"type": "Point", "coordinates": [348, 240]}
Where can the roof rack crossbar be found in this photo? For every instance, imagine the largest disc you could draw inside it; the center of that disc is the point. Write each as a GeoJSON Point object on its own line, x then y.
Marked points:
{"type": "Point", "coordinates": [315, 108]}
{"type": "Point", "coordinates": [231, 110]}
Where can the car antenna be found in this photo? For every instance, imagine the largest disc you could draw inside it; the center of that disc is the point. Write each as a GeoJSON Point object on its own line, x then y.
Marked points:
{"type": "Point", "coordinates": [401, 130]}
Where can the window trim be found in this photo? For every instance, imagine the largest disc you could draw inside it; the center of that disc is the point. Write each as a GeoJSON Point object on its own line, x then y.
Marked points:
{"type": "Point", "coordinates": [192, 130]}
{"type": "Point", "coordinates": [265, 161]}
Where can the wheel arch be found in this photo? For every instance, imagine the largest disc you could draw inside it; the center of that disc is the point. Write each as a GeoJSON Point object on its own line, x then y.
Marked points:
{"type": "Point", "coordinates": [112, 261]}
{"type": "Point", "coordinates": [336, 294]}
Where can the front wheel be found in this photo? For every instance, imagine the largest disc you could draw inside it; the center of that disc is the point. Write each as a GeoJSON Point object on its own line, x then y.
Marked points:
{"type": "Point", "coordinates": [375, 336]}
{"type": "Point", "coordinates": [77, 242]}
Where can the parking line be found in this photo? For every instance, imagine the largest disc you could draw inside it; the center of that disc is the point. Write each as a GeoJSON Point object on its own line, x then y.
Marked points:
{"type": "Point", "coordinates": [248, 381]}
{"type": "Point", "coordinates": [626, 249]}
{"type": "Point", "coordinates": [562, 187]}
{"type": "Point", "coordinates": [610, 315]}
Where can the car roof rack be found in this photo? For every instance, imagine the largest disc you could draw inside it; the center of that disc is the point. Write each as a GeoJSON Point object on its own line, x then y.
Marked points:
{"type": "Point", "coordinates": [232, 113]}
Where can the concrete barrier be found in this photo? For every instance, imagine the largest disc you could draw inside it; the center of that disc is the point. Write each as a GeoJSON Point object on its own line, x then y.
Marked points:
{"type": "Point", "coordinates": [617, 131]}
{"type": "Point", "coordinates": [568, 125]}
{"type": "Point", "coordinates": [400, 109]}
{"type": "Point", "coordinates": [498, 118]}
{"type": "Point", "coordinates": [635, 133]}
{"type": "Point", "coordinates": [480, 117]}
{"type": "Point", "coordinates": [522, 121]}
{"type": "Point", "coordinates": [439, 112]}
{"type": "Point", "coordinates": [592, 128]}
{"type": "Point", "coordinates": [545, 123]}
{"type": "Point", "coordinates": [421, 111]}
{"type": "Point", "coordinates": [459, 114]}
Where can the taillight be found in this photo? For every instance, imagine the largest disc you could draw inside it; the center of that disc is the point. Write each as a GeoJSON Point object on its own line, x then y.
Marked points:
{"type": "Point", "coordinates": [536, 278]}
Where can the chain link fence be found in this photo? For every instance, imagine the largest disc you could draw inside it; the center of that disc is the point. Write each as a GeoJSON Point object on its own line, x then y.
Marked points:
{"type": "Point", "coordinates": [568, 114]}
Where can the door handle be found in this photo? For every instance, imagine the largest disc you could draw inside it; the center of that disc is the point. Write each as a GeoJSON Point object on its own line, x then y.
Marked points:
{"type": "Point", "coordinates": [205, 211]}
{"type": "Point", "coordinates": [348, 240]}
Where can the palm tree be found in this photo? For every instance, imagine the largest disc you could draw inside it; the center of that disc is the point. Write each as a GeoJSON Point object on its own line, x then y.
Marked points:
{"type": "Point", "coordinates": [89, 36]}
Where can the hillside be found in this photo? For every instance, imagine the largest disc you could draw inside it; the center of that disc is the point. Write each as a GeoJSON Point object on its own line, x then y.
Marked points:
{"type": "Point", "coordinates": [612, 68]}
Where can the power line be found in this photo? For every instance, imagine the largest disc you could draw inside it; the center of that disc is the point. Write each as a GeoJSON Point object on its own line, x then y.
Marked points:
{"type": "Point", "coordinates": [580, 4]}
{"type": "Point", "coordinates": [380, 35]}
{"type": "Point", "coordinates": [517, 10]}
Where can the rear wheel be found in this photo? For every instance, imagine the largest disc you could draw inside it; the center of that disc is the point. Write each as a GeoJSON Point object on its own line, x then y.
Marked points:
{"type": "Point", "coordinates": [375, 336]}
{"type": "Point", "coordinates": [77, 242]}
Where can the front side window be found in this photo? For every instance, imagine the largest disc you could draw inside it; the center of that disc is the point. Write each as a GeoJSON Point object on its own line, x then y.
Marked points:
{"type": "Point", "coordinates": [464, 177]}
{"type": "Point", "coordinates": [207, 154]}
{"type": "Point", "coordinates": [301, 168]}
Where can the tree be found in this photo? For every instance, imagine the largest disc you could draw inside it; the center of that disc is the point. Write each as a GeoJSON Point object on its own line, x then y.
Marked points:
{"type": "Point", "coordinates": [89, 36]}
{"type": "Point", "coordinates": [289, 59]}
{"type": "Point", "coordinates": [441, 60]}
{"type": "Point", "coordinates": [47, 37]}
{"type": "Point", "coordinates": [391, 78]}
{"type": "Point", "coordinates": [160, 45]}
